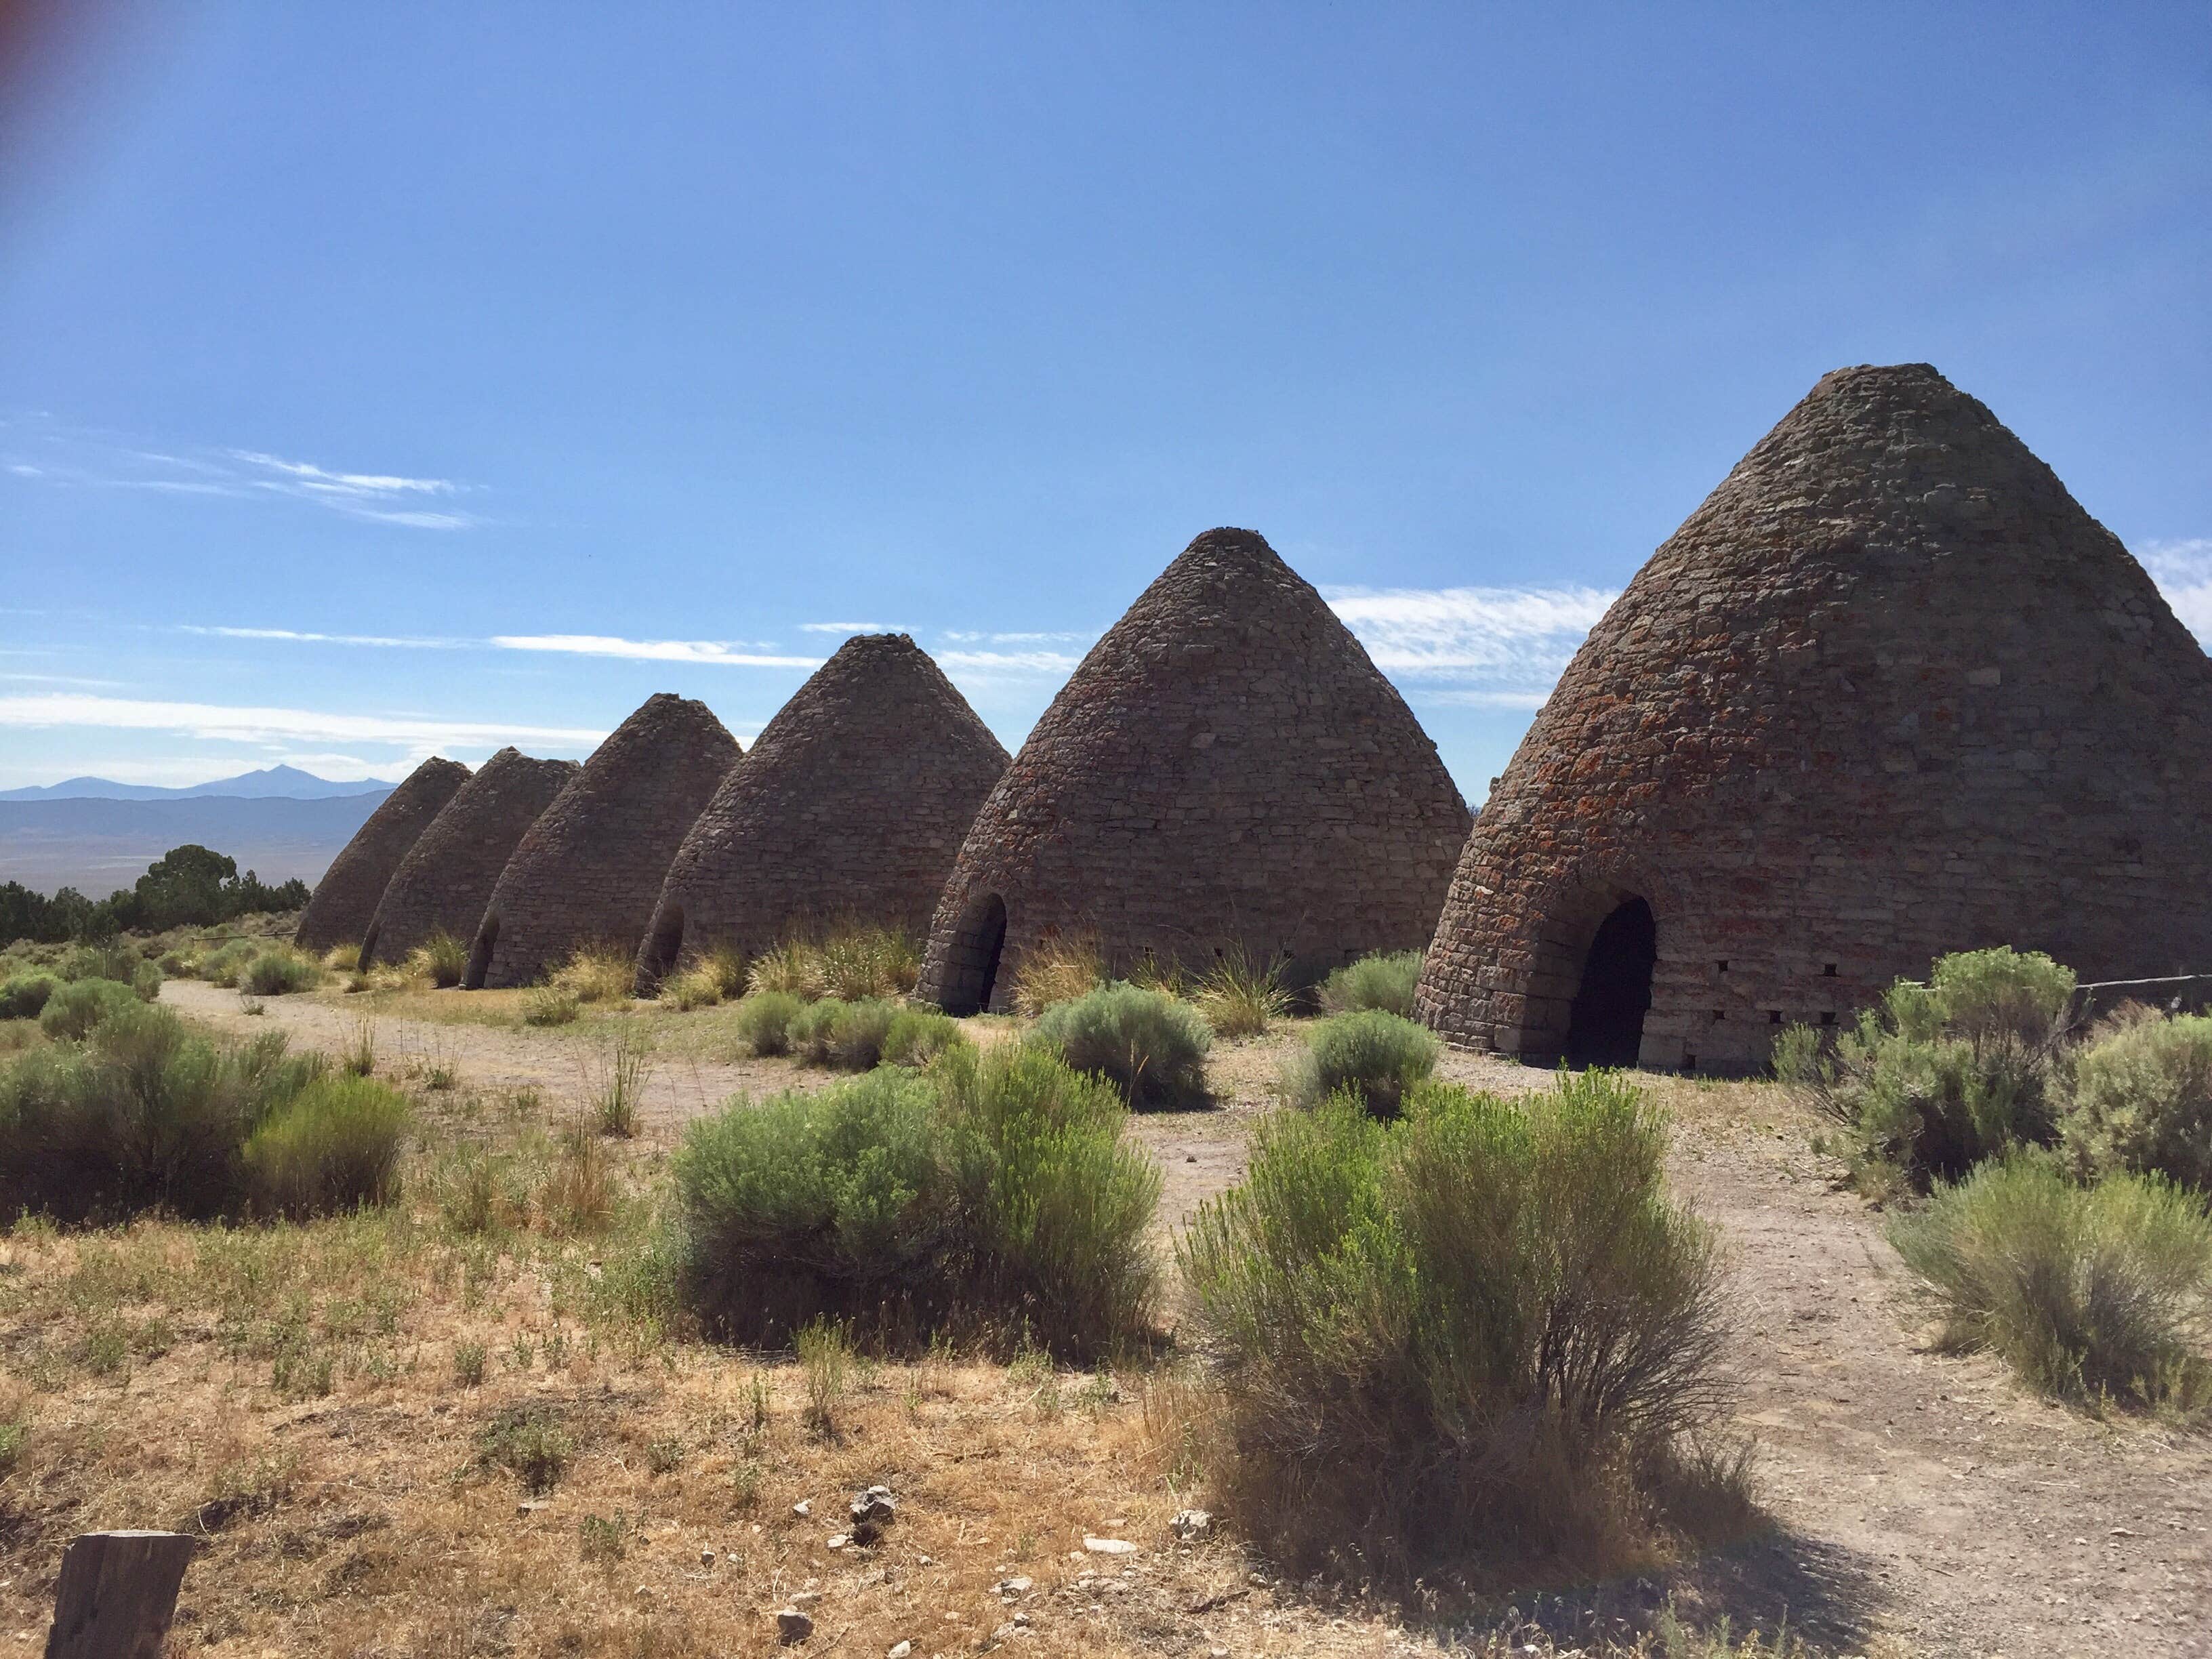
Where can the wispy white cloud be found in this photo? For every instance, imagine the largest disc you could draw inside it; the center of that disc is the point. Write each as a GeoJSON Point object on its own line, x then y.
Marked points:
{"type": "Point", "coordinates": [847, 627]}
{"type": "Point", "coordinates": [57, 679]}
{"type": "Point", "coordinates": [722, 653]}
{"type": "Point", "coordinates": [69, 457]}
{"type": "Point", "coordinates": [1007, 662]}
{"type": "Point", "coordinates": [1485, 647]}
{"type": "Point", "coordinates": [2183, 571]}
{"type": "Point", "coordinates": [1052, 637]}
{"type": "Point", "coordinates": [266, 725]}
{"type": "Point", "coordinates": [304, 637]}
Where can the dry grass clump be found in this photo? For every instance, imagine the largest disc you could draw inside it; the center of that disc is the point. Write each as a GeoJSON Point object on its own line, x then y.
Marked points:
{"type": "Point", "coordinates": [1239, 997]}
{"type": "Point", "coordinates": [2091, 1293]}
{"type": "Point", "coordinates": [594, 973]}
{"type": "Point", "coordinates": [441, 959]}
{"type": "Point", "coordinates": [851, 964]}
{"type": "Point", "coordinates": [1479, 1332]}
{"type": "Point", "coordinates": [705, 977]}
{"type": "Point", "coordinates": [1059, 969]}
{"type": "Point", "coordinates": [616, 1084]}
{"type": "Point", "coordinates": [279, 970]}
{"type": "Point", "coordinates": [548, 1004]}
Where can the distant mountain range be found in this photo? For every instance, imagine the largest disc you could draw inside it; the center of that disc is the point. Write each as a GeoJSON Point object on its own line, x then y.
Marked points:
{"type": "Point", "coordinates": [275, 782]}
{"type": "Point", "coordinates": [279, 823]}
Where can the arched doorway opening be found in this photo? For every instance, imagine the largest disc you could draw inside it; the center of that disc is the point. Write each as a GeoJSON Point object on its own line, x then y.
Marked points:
{"type": "Point", "coordinates": [1605, 1027]}
{"type": "Point", "coordinates": [661, 946]}
{"type": "Point", "coordinates": [480, 956]}
{"type": "Point", "coordinates": [971, 967]}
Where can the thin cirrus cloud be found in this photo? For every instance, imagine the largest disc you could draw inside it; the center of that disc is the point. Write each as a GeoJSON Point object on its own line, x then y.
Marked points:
{"type": "Point", "coordinates": [1488, 647]}
{"type": "Point", "coordinates": [721, 653]}
{"type": "Point", "coordinates": [66, 457]}
{"type": "Point", "coordinates": [847, 627]}
{"type": "Point", "coordinates": [218, 722]}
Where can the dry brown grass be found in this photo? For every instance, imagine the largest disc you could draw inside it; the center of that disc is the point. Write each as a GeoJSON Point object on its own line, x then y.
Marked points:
{"type": "Point", "coordinates": [1058, 971]}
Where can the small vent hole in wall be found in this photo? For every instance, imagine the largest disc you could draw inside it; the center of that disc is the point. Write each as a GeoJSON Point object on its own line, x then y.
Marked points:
{"type": "Point", "coordinates": [1689, 1062]}
{"type": "Point", "coordinates": [1829, 971]}
{"type": "Point", "coordinates": [1774, 1016]}
{"type": "Point", "coordinates": [1721, 967]}
{"type": "Point", "coordinates": [1828, 1019]}
{"type": "Point", "coordinates": [1719, 1015]}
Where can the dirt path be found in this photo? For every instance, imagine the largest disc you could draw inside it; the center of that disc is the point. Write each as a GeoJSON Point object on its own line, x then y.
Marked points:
{"type": "Point", "coordinates": [1919, 1497]}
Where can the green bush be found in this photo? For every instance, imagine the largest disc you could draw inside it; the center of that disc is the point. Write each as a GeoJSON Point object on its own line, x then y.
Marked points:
{"type": "Point", "coordinates": [118, 960]}
{"type": "Point", "coordinates": [1943, 1075]}
{"type": "Point", "coordinates": [1482, 1327]}
{"type": "Point", "coordinates": [24, 995]}
{"type": "Point", "coordinates": [280, 970]}
{"type": "Point", "coordinates": [988, 1194]}
{"type": "Point", "coordinates": [763, 1022]}
{"type": "Point", "coordinates": [919, 1036]}
{"type": "Point", "coordinates": [146, 981]}
{"type": "Point", "coordinates": [142, 1114]}
{"type": "Point", "coordinates": [2086, 1291]}
{"type": "Point", "coordinates": [224, 966]}
{"type": "Point", "coordinates": [1372, 1056]}
{"type": "Point", "coordinates": [75, 1008]}
{"type": "Point", "coordinates": [1146, 1044]}
{"type": "Point", "coordinates": [1384, 980]}
{"type": "Point", "coordinates": [2141, 1100]}
{"type": "Point", "coordinates": [335, 1147]}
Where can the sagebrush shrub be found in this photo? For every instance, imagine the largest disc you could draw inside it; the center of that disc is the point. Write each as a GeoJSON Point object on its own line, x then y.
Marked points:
{"type": "Point", "coordinates": [142, 1114]}
{"type": "Point", "coordinates": [2141, 1100]}
{"type": "Point", "coordinates": [2086, 1291]}
{"type": "Point", "coordinates": [992, 1193]}
{"type": "Point", "coordinates": [1057, 970]}
{"type": "Point", "coordinates": [918, 1035]}
{"type": "Point", "coordinates": [73, 1009]}
{"type": "Point", "coordinates": [763, 1022]}
{"type": "Point", "coordinates": [278, 971]}
{"type": "Point", "coordinates": [1481, 1327]}
{"type": "Point", "coordinates": [1383, 979]}
{"type": "Point", "coordinates": [1149, 1045]}
{"type": "Point", "coordinates": [23, 996]}
{"type": "Point", "coordinates": [1943, 1075]}
{"type": "Point", "coordinates": [224, 964]}
{"type": "Point", "coordinates": [333, 1147]}
{"type": "Point", "coordinates": [1372, 1057]}
{"type": "Point", "coordinates": [118, 960]}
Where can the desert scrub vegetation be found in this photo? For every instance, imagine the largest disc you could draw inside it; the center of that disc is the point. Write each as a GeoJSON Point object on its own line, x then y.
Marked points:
{"type": "Point", "coordinates": [765, 1020]}
{"type": "Point", "coordinates": [851, 964]}
{"type": "Point", "coordinates": [594, 973]}
{"type": "Point", "coordinates": [990, 1196]}
{"type": "Point", "coordinates": [1382, 979]}
{"type": "Point", "coordinates": [1482, 1327]}
{"type": "Point", "coordinates": [76, 1007]}
{"type": "Point", "coordinates": [23, 996]}
{"type": "Point", "coordinates": [441, 959]}
{"type": "Point", "coordinates": [280, 970]}
{"type": "Point", "coordinates": [1943, 1075]}
{"type": "Point", "coordinates": [2091, 1293]}
{"type": "Point", "coordinates": [1240, 997]}
{"type": "Point", "coordinates": [1149, 1045]}
{"type": "Point", "coordinates": [1059, 969]}
{"type": "Point", "coordinates": [140, 1113]}
{"type": "Point", "coordinates": [2140, 1102]}
{"type": "Point", "coordinates": [548, 1004]}
{"type": "Point", "coordinates": [1370, 1057]}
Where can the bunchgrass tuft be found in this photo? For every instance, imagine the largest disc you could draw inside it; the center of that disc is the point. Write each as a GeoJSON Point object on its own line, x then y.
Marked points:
{"type": "Point", "coordinates": [334, 1147]}
{"type": "Point", "coordinates": [617, 1084]}
{"type": "Point", "coordinates": [2089, 1293]}
{"type": "Point", "coordinates": [279, 970]}
{"type": "Point", "coordinates": [1239, 997]}
{"type": "Point", "coordinates": [1480, 1330]}
{"type": "Point", "coordinates": [1150, 1046]}
{"type": "Point", "coordinates": [1057, 970]}
{"type": "Point", "coordinates": [595, 974]}
{"type": "Point", "coordinates": [441, 959]}
{"type": "Point", "coordinates": [548, 1004]}
{"type": "Point", "coordinates": [1373, 1057]}
{"type": "Point", "coordinates": [1384, 980]}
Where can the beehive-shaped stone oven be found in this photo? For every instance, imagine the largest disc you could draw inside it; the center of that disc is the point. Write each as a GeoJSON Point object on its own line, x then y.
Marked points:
{"type": "Point", "coordinates": [588, 871]}
{"type": "Point", "coordinates": [851, 804]}
{"type": "Point", "coordinates": [1888, 693]}
{"type": "Point", "coordinates": [446, 880]}
{"type": "Point", "coordinates": [346, 898]}
{"type": "Point", "coordinates": [1225, 771]}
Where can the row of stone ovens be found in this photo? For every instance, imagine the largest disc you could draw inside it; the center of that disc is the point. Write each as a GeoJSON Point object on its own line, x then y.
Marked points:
{"type": "Point", "coordinates": [1888, 692]}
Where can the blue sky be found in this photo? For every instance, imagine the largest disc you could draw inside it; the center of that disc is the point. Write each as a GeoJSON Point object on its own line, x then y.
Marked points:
{"type": "Point", "coordinates": [378, 379]}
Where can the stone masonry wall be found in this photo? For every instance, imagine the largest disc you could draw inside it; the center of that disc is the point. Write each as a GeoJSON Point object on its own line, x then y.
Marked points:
{"type": "Point", "coordinates": [851, 805]}
{"type": "Point", "coordinates": [445, 881]}
{"type": "Point", "coordinates": [1888, 693]}
{"type": "Point", "coordinates": [346, 898]}
{"type": "Point", "coordinates": [1226, 769]}
{"type": "Point", "coordinates": [588, 871]}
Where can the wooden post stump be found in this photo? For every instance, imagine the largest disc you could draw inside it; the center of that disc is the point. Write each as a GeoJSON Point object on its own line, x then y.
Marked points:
{"type": "Point", "coordinates": [117, 1595]}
